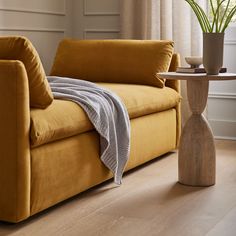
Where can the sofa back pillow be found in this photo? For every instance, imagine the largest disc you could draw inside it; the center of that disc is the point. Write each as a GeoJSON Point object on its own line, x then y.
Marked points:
{"type": "Point", "coordinates": [117, 61]}
{"type": "Point", "coordinates": [20, 48]}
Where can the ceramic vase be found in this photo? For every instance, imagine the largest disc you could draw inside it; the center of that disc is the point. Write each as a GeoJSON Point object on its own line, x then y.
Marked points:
{"type": "Point", "coordinates": [213, 52]}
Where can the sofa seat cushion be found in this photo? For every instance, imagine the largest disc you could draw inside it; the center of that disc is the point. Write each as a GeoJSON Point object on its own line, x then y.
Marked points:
{"type": "Point", "coordinates": [143, 100]}
{"type": "Point", "coordinates": [65, 118]}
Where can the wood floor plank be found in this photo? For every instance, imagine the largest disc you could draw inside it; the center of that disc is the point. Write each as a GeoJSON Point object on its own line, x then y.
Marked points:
{"type": "Point", "coordinates": [226, 227]}
{"type": "Point", "coordinates": [150, 202]}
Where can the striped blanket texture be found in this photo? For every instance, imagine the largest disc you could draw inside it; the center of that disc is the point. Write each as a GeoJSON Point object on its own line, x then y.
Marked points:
{"type": "Point", "coordinates": [108, 115]}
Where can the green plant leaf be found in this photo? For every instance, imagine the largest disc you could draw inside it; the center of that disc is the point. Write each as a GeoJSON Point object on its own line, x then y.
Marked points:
{"type": "Point", "coordinates": [205, 18]}
{"type": "Point", "coordinates": [223, 17]}
{"type": "Point", "coordinates": [219, 23]}
{"type": "Point", "coordinates": [229, 18]}
{"type": "Point", "coordinates": [216, 17]}
{"type": "Point", "coordinates": [198, 15]}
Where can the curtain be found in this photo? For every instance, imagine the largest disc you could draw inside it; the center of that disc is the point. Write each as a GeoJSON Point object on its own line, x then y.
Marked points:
{"type": "Point", "coordinates": [164, 19]}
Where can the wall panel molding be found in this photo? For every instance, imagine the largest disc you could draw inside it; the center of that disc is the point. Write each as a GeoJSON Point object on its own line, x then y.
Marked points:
{"type": "Point", "coordinates": [86, 12]}
{"type": "Point", "coordinates": [86, 31]}
{"type": "Point", "coordinates": [224, 137]}
{"type": "Point", "coordinates": [35, 6]}
{"type": "Point", "coordinates": [24, 29]}
{"type": "Point", "coordinates": [230, 42]}
{"type": "Point", "coordinates": [223, 129]}
{"type": "Point", "coordinates": [222, 95]}
{"type": "Point", "coordinates": [34, 11]}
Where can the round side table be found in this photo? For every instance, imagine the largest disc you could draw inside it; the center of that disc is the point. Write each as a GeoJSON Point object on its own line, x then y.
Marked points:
{"type": "Point", "coordinates": [197, 164]}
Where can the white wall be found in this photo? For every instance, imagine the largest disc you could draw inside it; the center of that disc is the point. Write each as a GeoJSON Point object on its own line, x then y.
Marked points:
{"type": "Point", "coordinates": [94, 19]}
{"type": "Point", "coordinates": [46, 22]}
{"type": "Point", "coordinates": [42, 21]}
{"type": "Point", "coordinates": [221, 110]}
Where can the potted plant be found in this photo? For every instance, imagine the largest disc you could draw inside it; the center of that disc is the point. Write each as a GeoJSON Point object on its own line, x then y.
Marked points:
{"type": "Point", "coordinates": [213, 31]}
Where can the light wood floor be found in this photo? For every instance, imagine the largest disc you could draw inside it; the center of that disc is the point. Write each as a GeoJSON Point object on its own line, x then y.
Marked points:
{"type": "Point", "coordinates": [150, 202]}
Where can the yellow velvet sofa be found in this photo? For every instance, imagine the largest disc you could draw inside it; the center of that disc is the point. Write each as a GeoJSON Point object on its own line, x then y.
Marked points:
{"type": "Point", "coordinates": [49, 150]}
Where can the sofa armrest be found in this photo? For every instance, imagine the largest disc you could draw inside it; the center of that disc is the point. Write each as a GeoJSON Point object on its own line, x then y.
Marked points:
{"type": "Point", "coordinates": [175, 84]}
{"type": "Point", "coordinates": [14, 142]}
{"type": "Point", "coordinates": [175, 62]}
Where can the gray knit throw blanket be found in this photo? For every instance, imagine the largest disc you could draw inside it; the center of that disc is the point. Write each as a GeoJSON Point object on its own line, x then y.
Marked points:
{"type": "Point", "coordinates": [107, 114]}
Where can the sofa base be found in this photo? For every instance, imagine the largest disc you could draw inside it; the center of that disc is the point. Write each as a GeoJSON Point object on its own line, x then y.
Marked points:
{"type": "Point", "coordinates": [65, 168]}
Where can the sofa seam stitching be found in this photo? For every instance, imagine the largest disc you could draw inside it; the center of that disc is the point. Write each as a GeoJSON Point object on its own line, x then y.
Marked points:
{"type": "Point", "coordinates": [16, 204]}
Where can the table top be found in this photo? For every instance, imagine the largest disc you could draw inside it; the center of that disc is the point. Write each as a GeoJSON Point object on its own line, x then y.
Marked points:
{"type": "Point", "coordinates": [196, 76]}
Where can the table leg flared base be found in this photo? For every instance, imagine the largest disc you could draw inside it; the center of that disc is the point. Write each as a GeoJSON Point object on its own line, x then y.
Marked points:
{"type": "Point", "coordinates": [197, 153]}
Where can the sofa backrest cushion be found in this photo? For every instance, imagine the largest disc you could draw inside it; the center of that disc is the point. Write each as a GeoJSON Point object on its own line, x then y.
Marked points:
{"type": "Point", "coordinates": [20, 48]}
{"type": "Point", "coordinates": [117, 61]}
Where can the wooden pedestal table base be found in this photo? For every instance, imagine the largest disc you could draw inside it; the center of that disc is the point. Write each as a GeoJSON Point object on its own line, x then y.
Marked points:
{"type": "Point", "coordinates": [197, 148]}
{"type": "Point", "coordinates": [197, 158]}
